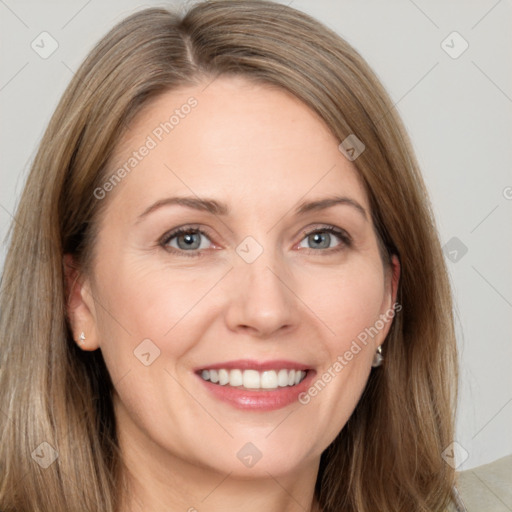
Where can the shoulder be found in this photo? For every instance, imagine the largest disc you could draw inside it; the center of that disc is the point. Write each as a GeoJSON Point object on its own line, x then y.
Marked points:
{"type": "Point", "coordinates": [487, 488]}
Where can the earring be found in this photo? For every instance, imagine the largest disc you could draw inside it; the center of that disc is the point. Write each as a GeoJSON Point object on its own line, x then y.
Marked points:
{"type": "Point", "coordinates": [81, 338]}
{"type": "Point", "coordinates": [377, 358]}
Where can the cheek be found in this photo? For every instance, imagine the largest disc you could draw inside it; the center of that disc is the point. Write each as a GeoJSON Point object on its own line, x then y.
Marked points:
{"type": "Point", "coordinates": [350, 304]}
{"type": "Point", "coordinates": [140, 302]}
{"type": "Point", "coordinates": [145, 329]}
{"type": "Point", "coordinates": [348, 300]}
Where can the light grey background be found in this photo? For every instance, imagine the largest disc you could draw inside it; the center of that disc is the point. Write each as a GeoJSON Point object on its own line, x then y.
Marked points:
{"type": "Point", "coordinates": [458, 112]}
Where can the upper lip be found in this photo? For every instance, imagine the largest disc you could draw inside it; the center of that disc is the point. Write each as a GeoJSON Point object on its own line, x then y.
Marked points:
{"type": "Point", "coordinates": [251, 364]}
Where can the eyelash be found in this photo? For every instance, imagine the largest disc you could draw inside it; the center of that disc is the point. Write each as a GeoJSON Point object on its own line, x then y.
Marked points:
{"type": "Point", "coordinates": [345, 238]}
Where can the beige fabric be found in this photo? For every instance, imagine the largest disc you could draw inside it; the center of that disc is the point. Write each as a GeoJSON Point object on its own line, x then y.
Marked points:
{"type": "Point", "coordinates": [487, 488]}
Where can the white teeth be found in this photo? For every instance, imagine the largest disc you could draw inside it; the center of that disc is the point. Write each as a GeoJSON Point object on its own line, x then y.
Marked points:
{"type": "Point", "coordinates": [235, 378]}
{"type": "Point", "coordinates": [223, 377]}
{"type": "Point", "coordinates": [282, 378]}
{"type": "Point", "coordinates": [252, 379]}
{"type": "Point", "coordinates": [269, 380]}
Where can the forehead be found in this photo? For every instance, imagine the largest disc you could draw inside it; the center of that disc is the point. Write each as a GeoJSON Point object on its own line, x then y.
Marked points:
{"type": "Point", "coordinates": [231, 138]}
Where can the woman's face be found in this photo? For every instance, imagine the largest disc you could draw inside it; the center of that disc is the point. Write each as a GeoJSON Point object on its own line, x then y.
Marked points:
{"type": "Point", "coordinates": [274, 285]}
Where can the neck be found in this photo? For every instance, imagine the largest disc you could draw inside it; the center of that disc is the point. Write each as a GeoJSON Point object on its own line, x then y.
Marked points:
{"type": "Point", "coordinates": [156, 481]}
{"type": "Point", "coordinates": [223, 493]}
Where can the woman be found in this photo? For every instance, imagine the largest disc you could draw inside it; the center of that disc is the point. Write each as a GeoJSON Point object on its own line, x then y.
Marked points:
{"type": "Point", "coordinates": [224, 287]}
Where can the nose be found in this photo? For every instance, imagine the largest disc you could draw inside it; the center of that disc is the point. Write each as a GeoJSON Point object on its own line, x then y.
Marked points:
{"type": "Point", "coordinates": [262, 302]}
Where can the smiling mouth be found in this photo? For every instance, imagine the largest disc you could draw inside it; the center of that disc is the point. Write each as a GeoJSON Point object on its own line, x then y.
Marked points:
{"type": "Point", "coordinates": [253, 379]}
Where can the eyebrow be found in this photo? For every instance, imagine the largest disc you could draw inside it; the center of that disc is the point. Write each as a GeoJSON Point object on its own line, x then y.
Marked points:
{"type": "Point", "coordinates": [218, 208]}
{"type": "Point", "coordinates": [196, 203]}
{"type": "Point", "coordinates": [323, 204]}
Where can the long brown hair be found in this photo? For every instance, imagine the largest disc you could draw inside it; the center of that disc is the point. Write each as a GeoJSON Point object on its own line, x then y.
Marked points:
{"type": "Point", "coordinates": [388, 455]}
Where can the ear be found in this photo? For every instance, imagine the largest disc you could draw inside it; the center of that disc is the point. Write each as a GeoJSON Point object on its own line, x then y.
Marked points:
{"type": "Point", "coordinates": [392, 277]}
{"type": "Point", "coordinates": [80, 306]}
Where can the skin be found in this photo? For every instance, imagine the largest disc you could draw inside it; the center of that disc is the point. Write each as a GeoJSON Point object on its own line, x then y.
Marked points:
{"type": "Point", "coordinates": [261, 151]}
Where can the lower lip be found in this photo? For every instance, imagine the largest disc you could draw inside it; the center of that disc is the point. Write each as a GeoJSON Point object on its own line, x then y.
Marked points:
{"type": "Point", "coordinates": [259, 400]}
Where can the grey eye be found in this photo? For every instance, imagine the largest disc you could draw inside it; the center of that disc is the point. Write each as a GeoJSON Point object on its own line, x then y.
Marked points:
{"type": "Point", "coordinates": [187, 240]}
